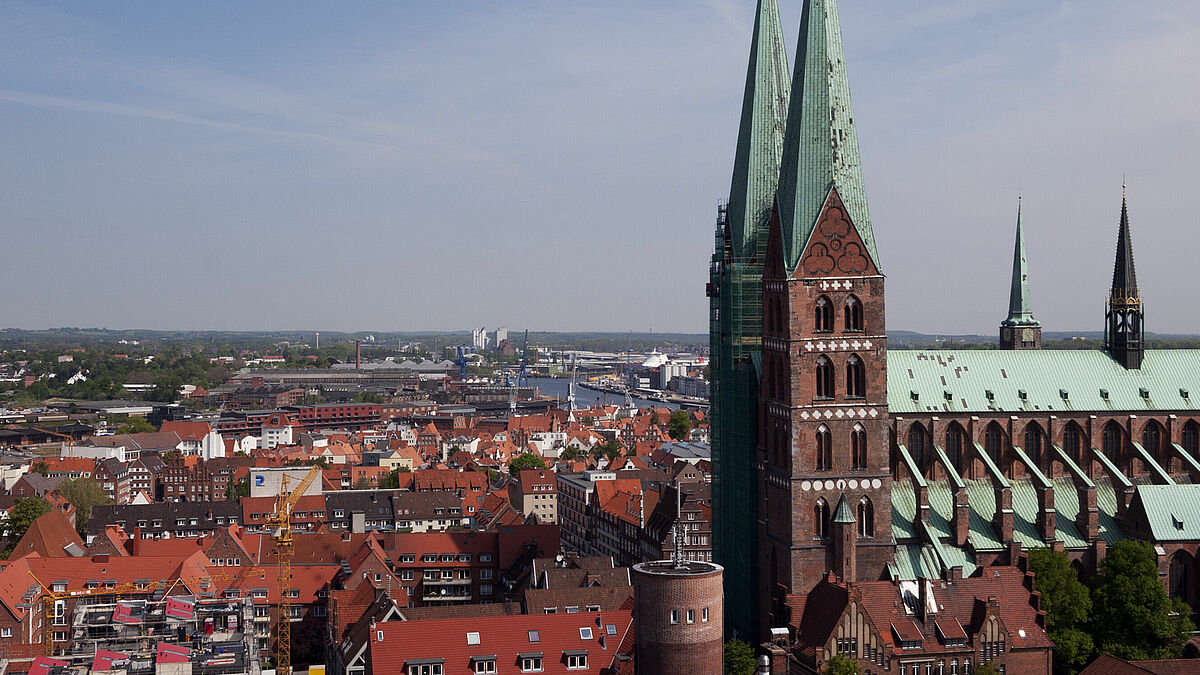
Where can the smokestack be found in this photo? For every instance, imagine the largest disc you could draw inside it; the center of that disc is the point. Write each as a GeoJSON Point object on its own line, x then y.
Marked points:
{"type": "Point", "coordinates": [357, 354]}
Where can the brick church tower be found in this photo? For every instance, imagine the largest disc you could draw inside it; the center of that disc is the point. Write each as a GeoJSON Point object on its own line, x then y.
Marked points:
{"type": "Point", "coordinates": [823, 442]}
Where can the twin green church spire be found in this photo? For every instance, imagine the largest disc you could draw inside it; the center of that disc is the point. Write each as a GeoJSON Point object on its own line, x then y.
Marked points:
{"type": "Point", "coordinates": [820, 149]}
{"type": "Point", "coordinates": [760, 134]}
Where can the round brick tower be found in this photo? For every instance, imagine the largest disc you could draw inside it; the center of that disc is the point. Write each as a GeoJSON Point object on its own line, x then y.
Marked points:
{"type": "Point", "coordinates": [678, 617]}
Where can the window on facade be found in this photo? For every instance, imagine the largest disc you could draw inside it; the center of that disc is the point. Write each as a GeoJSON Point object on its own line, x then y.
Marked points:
{"type": "Point", "coordinates": [918, 440]}
{"type": "Point", "coordinates": [856, 377]}
{"type": "Point", "coordinates": [866, 517]}
{"type": "Point", "coordinates": [993, 442]}
{"type": "Point", "coordinates": [6, 632]}
{"type": "Point", "coordinates": [824, 378]}
{"type": "Point", "coordinates": [1072, 442]}
{"type": "Point", "coordinates": [824, 449]}
{"type": "Point", "coordinates": [703, 618]}
{"type": "Point", "coordinates": [691, 616]}
{"type": "Point", "coordinates": [821, 518]}
{"type": "Point", "coordinates": [576, 661]}
{"type": "Point", "coordinates": [823, 315]}
{"type": "Point", "coordinates": [1191, 438]}
{"type": "Point", "coordinates": [955, 441]}
{"type": "Point", "coordinates": [531, 664]}
{"type": "Point", "coordinates": [1035, 443]}
{"type": "Point", "coordinates": [1113, 442]}
{"type": "Point", "coordinates": [1152, 439]}
{"type": "Point", "coordinates": [674, 616]}
{"type": "Point", "coordinates": [858, 447]}
{"type": "Point", "coordinates": [485, 665]}
{"type": "Point", "coordinates": [854, 314]}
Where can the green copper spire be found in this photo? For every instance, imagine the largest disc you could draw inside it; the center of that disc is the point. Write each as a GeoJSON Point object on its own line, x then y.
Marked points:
{"type": "Point", "coordinates": [760, 135]}
{"type": "Point", "coordinates": [1020, 312]}
{"type": "Point", "coordinates": [820, 149]}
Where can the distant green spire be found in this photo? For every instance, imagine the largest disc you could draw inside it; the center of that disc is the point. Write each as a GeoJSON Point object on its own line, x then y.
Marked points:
{"type": "Point", "coordinates": [760, 136]}
{"type": "Point", "coordinates": [820, 148]}
{"type": "Point", "coordinates": [1020, 312]}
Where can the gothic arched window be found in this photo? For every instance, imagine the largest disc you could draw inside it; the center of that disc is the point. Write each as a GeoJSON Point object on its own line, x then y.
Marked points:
{"type": "Point", "coordinates": [821, 518]}
{"type": "Point", "coordinates": [1073, 442]}
{"type": "Point", "coordinates": [1035, 443]}
{"type": "Point", "coordinates": [856, 377]}
{"type": "Point", "coordinates": [1191, 438]}
{"type": "Point", "coordinates": [1179, 575]}
{"type": "Point", "coordinates": [854, 315]}
{"type": "Point", "coordinates": [918, 439]}
{"type": "Point", "coordinates": [824, 449]}
{"type": "Point", "coordinates": [994, 442]}
{"type": "Point", "coordinates": [823, 315]}
{"type": "Point", "coordinates": [956, 440]}
{"type": "Point", "coordinates": [824, 377]}
{"type": "Point", "coordinates": [1114, 442]}
{"type": "Point", "coordinates": [866, 517]}
{"type": "Point", "coordinates": [858, 446]}
{"type": "Point", "coordinates": [1152, 439]}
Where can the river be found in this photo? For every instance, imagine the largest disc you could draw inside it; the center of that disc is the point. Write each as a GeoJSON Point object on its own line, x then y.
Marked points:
{"type": "Point", "coordinates": [585, 398]}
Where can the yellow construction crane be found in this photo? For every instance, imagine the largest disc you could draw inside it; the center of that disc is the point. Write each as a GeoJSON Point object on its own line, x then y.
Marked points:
{"type": "Point", "coordinates": [280, 523]}
{"type": "Point", "coordinates": [50, 599]}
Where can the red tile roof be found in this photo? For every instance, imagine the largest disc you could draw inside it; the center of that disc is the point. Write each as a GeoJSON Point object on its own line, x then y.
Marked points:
{"type": "Point", "coordinates": [50, 536]}
{"type": "Point", "coordinates": [505, 637]}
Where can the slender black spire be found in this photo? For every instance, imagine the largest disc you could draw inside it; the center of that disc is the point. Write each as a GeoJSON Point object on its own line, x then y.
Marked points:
{"type": "Point", "coordinates": [1124, 283]}
{"type": "Point", "coordinates": [1124, 331]}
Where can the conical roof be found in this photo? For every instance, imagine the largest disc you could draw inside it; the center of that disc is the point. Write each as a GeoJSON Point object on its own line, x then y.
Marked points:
{"type": "Point", "coordinates": [1020, 312]}
{"type": "Point", "coordinates": [760, 134]}
{"type": "Point", "coordinates": [1124, 283]}
{"type": "Point", "coordinates": [820, 146]}
{"type": "Point", "coordinates": [843, 513]}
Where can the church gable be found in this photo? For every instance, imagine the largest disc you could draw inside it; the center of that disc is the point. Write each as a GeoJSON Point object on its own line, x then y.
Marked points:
{"type": "Point", "coordinates": [835, 248]}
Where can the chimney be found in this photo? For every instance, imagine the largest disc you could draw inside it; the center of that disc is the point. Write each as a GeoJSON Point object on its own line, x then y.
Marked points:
{"type": "Point", "coordinates": [357, 354]}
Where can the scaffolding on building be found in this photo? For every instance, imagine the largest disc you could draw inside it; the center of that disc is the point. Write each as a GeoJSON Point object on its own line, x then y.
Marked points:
{"type": "Point", "coordinates": [735, 333]}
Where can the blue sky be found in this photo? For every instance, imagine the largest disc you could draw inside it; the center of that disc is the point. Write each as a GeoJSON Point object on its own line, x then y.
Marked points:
{"type": "Point", "coordinates": [551, 165]}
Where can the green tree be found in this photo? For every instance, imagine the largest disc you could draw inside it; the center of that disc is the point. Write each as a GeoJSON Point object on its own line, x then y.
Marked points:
{"type": "Point", "coordinates": [367, 397]}
{"type": "Point", "coordinates": [1133, 618]}
{"type": "Point", "coordinates": [83, 493]}
{"type": "Point", "coordinates": [166, 389]}
{"type": "Point", "coordinates": [362, 483]}
{"type": "Point", "coordinates": [739, 658]}
{"type": "Point", "coordinates": [391, 481]}
{"type": "Point", "coordinates": [679, 424]}
{"type": "Point", "coordinates": [238, 489]}
{"type": "Point", "coordinates": [570, 454]}
{"type": "Point", "coordinates": [840, 665]}
{"type": "Point", "coordinates": [20, 517]}
{"type": "Point", "coordinates": [609, 449]}
{"type": "Point", "coordinates": [136, 425]}
{"type": "Point", "coordinates": [1068, 606]}
{"type": "Point", "coordinates": [986, 669]}
{"type": "Point", "coordinates": [526, 460]}
{"type": "Point", "coordinates": [40, 467]}
{"type": "Point", "coordinates": [39, 391]}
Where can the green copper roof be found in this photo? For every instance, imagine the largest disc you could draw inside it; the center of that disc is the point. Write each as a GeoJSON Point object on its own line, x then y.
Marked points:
{"type": "Point", "coordinates": [1172, 511]}
{"type": "Point", "coordinates": [1001, 381]}
{"type": "Point", "coordinates": [1019, 311]}
{"type": "Point", "coordinates": [820, 148]}
{"type": "Point", "coordinates": [760, 135]}
{"type": "Point", "coordinates": [843, 513]}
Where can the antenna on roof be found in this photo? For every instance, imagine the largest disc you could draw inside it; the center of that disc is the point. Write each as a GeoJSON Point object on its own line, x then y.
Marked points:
{"type": "Point", "coordinates": [677, 554]}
